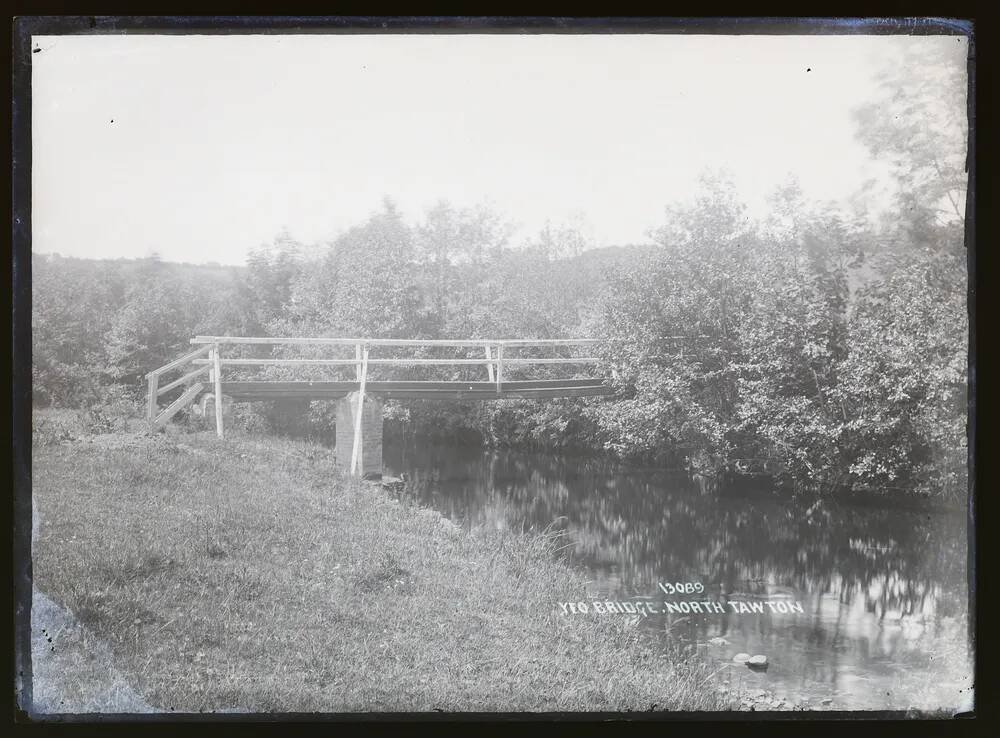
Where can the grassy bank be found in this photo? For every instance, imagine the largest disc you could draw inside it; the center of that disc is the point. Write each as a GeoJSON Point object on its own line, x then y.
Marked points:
{"type": "Point", "coordinates": [250, 574]}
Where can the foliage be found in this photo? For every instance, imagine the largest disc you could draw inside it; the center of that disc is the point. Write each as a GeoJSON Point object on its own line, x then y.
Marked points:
{"type": "Point", "coordinates": [742, 348]}
{"type": "Point", "coordinates": [917, 124]}
{"type": "Point", "coordinates": [364, 285]}
{"type": "Point", "coordinates": [266, 290]}
{"type": "Point", "coordinates": [822, 347]}
{"type": "Point", "coordinates": [157, 319]}
{"type": "Point", "coordinates": [674, 321]}
{"type": "Point", "coordinates": [72, 306]}
{"type": "Point", "coordinates": [905, 389]}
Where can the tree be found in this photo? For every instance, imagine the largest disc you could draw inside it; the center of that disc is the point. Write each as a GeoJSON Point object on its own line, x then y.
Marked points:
{"type": "Point", "coordinates": [560, 242]}
{"type": "Point", "coordinates": [154, 325]}
{"type": "Point", "coordinates": [917, 123]}
{"type": "Point", "coordinates": [365, 285]}
{"type": "Point", "coordinates": [453, 248]}
{"type": "Point", "coordinates": [794, 342]}
{"type": "Point", "coordinates": [674, 321]}
{"type": "Point", "coordinates": [904, 382]}
{"type": "Point", "coordinates": [271, 270]}
{"type": "Point", "coordinates": [72, 301]}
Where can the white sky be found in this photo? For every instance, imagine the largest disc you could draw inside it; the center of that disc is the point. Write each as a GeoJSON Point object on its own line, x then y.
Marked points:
{"type": "Point", "coordinates": [203, 147]}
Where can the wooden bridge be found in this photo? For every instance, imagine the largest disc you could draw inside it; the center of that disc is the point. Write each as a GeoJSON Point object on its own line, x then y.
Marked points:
{"type": "Point", "coordinates": [359, 410]}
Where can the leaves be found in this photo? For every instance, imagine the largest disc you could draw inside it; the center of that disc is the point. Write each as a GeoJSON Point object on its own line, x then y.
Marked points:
{"type": "Point", "coordinates": [809, 343]}
{"type": "Point", "coordinates": [750, 345]}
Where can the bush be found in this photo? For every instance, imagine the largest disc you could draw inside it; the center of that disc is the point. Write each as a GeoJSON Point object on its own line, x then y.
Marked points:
{"type": "Point", "coordinates": [247, 417]}
{"type": "Point", "coordinates": [112, 410]}
{"type": "Point", "coordinates": [49, 427]}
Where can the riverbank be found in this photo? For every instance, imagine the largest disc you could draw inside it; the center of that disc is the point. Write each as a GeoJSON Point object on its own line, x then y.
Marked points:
{"type": "Point", "coordinates": [443, 428]}
{"type": "Point", "coordinates": [250, 575]}
{"type": "Point", "coordinates": [736, 486]}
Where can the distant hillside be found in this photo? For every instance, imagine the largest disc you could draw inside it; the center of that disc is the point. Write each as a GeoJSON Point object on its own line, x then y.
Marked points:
{"type": "Point", "coordinates": [128, 267]}
{"type": "Point", "coordinates": [600, 263]}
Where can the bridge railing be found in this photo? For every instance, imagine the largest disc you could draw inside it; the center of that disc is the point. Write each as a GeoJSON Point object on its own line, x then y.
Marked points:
{"type": "Point", "coordinates": [497, 356]}
{"type": "Point", "coordinates": [154, 415]}
{"type": "Point", "coordinates": [496, 353]}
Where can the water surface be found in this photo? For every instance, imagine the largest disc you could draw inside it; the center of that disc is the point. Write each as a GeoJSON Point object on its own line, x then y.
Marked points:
{"type": "Point", "coordinates": [882, 591]}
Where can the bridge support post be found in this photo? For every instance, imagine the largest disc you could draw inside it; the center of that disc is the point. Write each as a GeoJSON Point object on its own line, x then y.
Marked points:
{"type": "Point", "coordinates": [217, 378]}
{"type": "Point", "coordinates": [370, 429]}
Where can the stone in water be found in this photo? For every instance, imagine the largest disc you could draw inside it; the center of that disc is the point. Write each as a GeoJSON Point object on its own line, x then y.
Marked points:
{"type": "Point", "coordinates": [741, 658]}
{"type": "Point", "coordinates": [757, 662]}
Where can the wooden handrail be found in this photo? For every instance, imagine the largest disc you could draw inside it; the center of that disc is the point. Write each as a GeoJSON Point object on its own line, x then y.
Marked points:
{"type": "Point", "coordinates": [181, 402]}
{"type": "Point", "coordinates": [278, 362]}
{"type": "Point", "coordinates": [179, 362]}
{"type": "Point", "coordinates": [178, 382]}
{"type": "Point", "coordinates": [547, 341]}
{"type": "Point", "coordinates": [153, 380]}
{"type": "Point", "coordinates": [492, 348]}
{"type": "Point", "coordinates": [571, 360]}
{"type": "Point", "coordinates": [398, 341]}
{"type": "Point", "coordinates": [394, 362]}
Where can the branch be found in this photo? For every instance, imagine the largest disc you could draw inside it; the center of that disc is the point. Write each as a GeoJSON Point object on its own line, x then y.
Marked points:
{"type": "Point", "coordinates": [947, 192]}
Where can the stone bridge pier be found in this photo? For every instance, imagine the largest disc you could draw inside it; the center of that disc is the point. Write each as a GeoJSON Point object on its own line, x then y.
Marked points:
{"type": "Point", "coordinates": [370, 450]}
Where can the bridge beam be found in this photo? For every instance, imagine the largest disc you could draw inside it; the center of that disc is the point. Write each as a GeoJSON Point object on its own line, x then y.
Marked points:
{"type": "Point", "coordinates": [370, 461]}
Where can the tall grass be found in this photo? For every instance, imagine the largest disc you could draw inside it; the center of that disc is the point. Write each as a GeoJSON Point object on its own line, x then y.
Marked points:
{"type": "Point", "coordinates": [251, 574]}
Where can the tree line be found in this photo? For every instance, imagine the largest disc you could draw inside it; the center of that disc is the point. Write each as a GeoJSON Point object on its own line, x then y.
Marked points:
{"type": "Point", "coordinates": [816, 345]}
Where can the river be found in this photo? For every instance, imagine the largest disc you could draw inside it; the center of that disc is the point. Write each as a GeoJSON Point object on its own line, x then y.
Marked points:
{"type": "Point", "coordinates": [882, 591]}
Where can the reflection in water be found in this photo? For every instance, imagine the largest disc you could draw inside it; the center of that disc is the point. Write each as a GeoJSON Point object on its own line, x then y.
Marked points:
{"type": "Point", "coordinates": [883, 591]}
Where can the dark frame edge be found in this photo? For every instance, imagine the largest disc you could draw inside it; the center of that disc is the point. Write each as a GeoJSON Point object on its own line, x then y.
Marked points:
{"type": "Point", "coordinates": [24, 27]}
{"type": "Point", "coordinates": [359, 24]}
{"type": "Point", "coordinates": [21, 362]}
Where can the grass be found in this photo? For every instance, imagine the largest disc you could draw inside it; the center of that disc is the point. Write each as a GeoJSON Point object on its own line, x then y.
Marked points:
{"type": "Point", "coordinates": [250, 574]}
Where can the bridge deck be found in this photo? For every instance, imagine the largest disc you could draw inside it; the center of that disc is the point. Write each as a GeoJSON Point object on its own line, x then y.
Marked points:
{"type": "Point", "coordinates": [416, 390]}
{"type": "Point", "coordinates": [206, 369]}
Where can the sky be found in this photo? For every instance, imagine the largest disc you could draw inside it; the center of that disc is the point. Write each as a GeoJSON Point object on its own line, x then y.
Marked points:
{"type": "Point", "coordinates": [201, 148]}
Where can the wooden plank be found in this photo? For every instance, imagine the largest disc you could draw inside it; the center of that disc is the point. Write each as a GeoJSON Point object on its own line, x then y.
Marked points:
{"type": "Point", "coordinates": [514, 342]}
{"type": "Point", "coordinates": [279, 362]}
{"type": "Point", "coordinates": [232, 387]}
{"type": "Point", "coordinates": [181, 402]}
{"type": "Point", "coordinates": [429, 362]}
{"type": "Point", "coordinates": [581, 360]}
{"type": "Point", "coordinates": [347, 362]}
{"type": "Point", "coordinates": [538, 394]}
{"type": "Point", "coordinates": [499, 369]}
{"type": "Point", "coordinates": [183, 380]}
{"type": "Point", "coordinates": [151, 406]}
{"type": "Point", "coordinates": [529, 394]}
{"type": "Point", "coordinates": [356, 450]}
{"type": "Point", "coordinates": [250, 396]}
{"type": "Point", "coordinates": [545, 383]}
{"type": "Point", "coordinates": [489, 367]}
{"type": "Point", "coordinates": [335, 341]}
{"type": "Point", "coordinates": [412, 394]}
{"type": "Point", "coordinates": [394, 362]}
{"type": "Point", "coordinates": [217, 372]}
{"type": "Point", "coordinates": [229, 388]}
{"type": "Point", "coordinates": [181, 361]}
{"type": "Point", "coordinates": [472, 343]}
